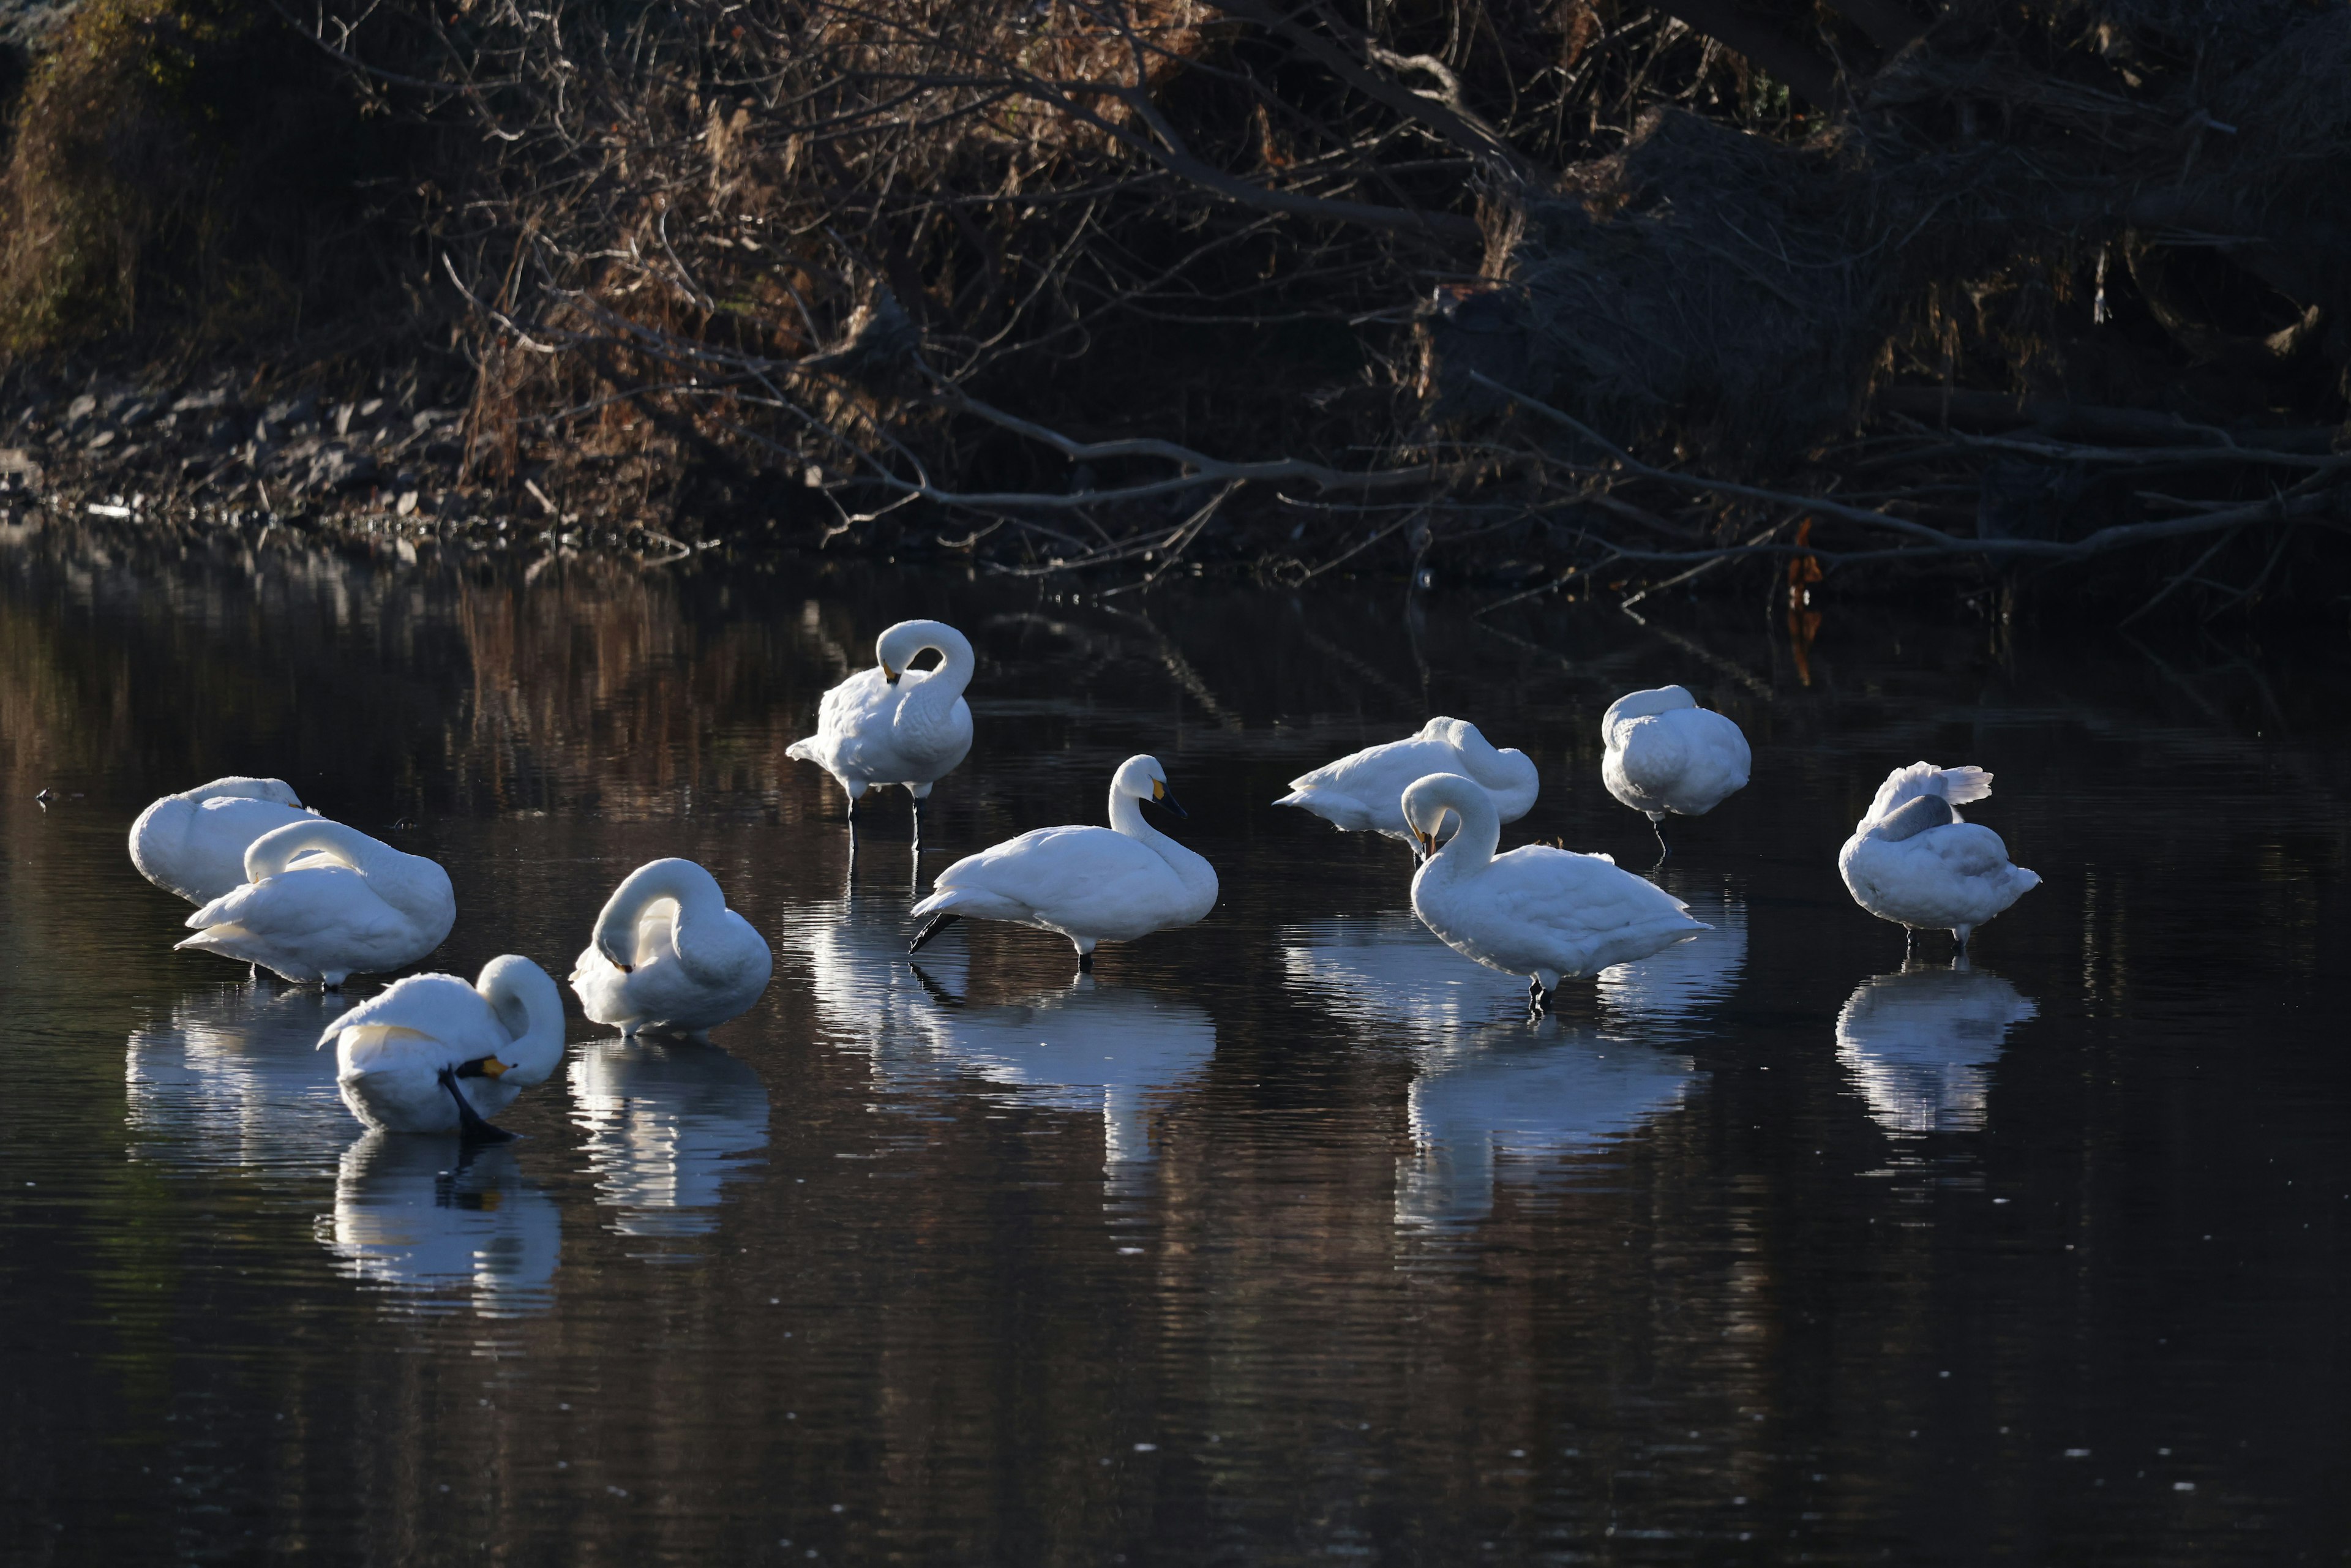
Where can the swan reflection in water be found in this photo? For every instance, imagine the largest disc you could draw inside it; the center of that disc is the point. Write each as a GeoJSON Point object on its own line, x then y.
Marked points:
{"type": "Point", "coordinates": [1920, 1042]}
{"type": "Point", "coordinates": [1493, 1092]}
{"type": "Point", "coordinates": [427, 1218]}
{"type": "Point", "coordinates": [1519, 1094]}
{"type": "Point", "coordinates": [232, 1081]}
{"type": "Point", "coordinates": [1391, 968]}
{"type": "Point", "coordinates": [1108, 1050]}
{"type": "Point", "coordinates": [667, 1124]}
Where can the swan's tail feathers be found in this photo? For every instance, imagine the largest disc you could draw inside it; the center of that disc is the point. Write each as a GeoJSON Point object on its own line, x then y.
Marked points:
{"type": "Point", "coordinates": [1295, 798]}
{"type": "Point", "coordinates": [1957, 785]}
{"type": "Point", "coordinates": [932, 927]}
{"type": "Point", "coordinates": [803, 750]}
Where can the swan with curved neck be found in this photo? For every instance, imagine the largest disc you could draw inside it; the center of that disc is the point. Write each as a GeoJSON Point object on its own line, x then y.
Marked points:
{"type": "Point", "coordinates": [1090, 884]}
{"type": "Point", "coordinates": [1363, 791]}
{"type": "Point", "coordinates": [1541, 912]}
{"type": "Point", "coordinates": [1915, 861]}
{"type": "Point", "coordinates": [193, 843]}
{"type": "Point", "coordinates": [321, 900]}
{"type": "Point", "coordinates": [667, 956]}
{"type": "Point", "coordinates": [433, 1054]}
{"type": "Point", "coordinates": [894, 723]}
{"type": "Point", "coordinates": [1665, 753]}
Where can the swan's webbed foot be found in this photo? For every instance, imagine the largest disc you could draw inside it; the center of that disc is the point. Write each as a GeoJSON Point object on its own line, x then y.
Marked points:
{"type": "Point", "coordinates": [932, 927]}
{"type": "Point", "coordinates": [470, 1125]}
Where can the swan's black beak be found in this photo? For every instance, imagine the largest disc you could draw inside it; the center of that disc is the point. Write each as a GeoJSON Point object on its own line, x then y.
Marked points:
{"type": "Point", "coordinates": [1160, 797]}
{"type": "Point", "coordinates": [1425, 845]}
{"type": "Point", "coordinates": [890, 675]}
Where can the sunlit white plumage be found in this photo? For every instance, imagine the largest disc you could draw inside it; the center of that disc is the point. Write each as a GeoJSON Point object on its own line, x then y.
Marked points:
{"type": "Point", "coordinates": [402, 1058]}
{"type": "Point", "coordinates": [193, 843]}
{"type": "Point", "coordinates": [1363, 791]}
{"type": "Point", "coordinates": [1540, 912]}
{"type": "Point", "coordinates": [893, 725]}
{"type": "Point", "coordinates": [321, 900]}
{"type": "Point", "coordinates": [1090, 884]}
{"type": "Point", "coordinates": [1915, 861]}
{"type": "Point", "coordinates": [668, 956]}
{"type": "Point", "coordinates": [665, 1126]}
{"type": "Point", "coordinates": [1665, 753]}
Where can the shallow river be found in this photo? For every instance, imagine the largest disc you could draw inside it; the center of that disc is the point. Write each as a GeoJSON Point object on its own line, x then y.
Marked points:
{"type": "Point", "coordinates": [1282, 1239]}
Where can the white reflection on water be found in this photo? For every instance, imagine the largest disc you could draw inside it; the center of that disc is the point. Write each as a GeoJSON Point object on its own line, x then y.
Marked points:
{"type": "Point", "coordinates": [667, 1124]}
{"type": "Point", "coordinates": [1520, 1093]}
{"type": "Point", "coordinates": [1390, 968]}
{"type": "Point", "coordinates": [1107, 1049]}
{"type": "Point", "coordinates": [1493, 1090]}
{"type": "Point", "coordinates": [233, 1080]}
{"type": "Point", "coordinates": [1920, 1045]}
{"type": "Point", "coordinates": [426, 1217]}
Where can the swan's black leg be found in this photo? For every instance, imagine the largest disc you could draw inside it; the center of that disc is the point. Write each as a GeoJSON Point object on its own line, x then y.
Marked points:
{"type": "Point", "coordinates": [932, 927]}
{"type": "Point", "coordinates": [1085, 963]}
{"type": "Point", "coordinates": [1538, 1000]}
{"type": "Point", "coordinates": [919, 824]}
{"type": "Point", "coordinates": [470, 1125]}
{"type": "Point", "coordinates": [1657, 826]}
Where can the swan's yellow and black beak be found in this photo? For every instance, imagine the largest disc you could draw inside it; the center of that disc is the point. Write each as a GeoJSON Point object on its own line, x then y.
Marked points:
{"type": "Point", "coordinates": [890, 675]}
{"type": "Point", "coordinates": [1160, 797]}
{"type": "Point", "coordinates": [1427, 842]}
{"type": "Point", "coordinates": [482, 1067]}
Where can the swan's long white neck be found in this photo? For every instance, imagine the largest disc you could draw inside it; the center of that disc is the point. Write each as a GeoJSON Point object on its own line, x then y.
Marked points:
{"type": "Point", "coordinates": [1471, 849]}
{"type": "Point", "coordinates": [1126, 817]}
{"type": "Point", "coordinates": [273, 852]}
{"type": "Point", "coordinates": [693, 890]}
{"type": "Point", "coordinates": [942, 686]}
{"type": "Point", "coordinates": [531, 1009]}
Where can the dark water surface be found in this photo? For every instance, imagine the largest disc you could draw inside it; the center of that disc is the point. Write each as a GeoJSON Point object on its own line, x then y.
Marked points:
{"type": "Point", "coordinates": [1286, 1239]}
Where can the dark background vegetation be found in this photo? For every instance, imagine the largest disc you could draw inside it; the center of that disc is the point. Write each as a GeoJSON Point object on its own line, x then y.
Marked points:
{"type": "Point", "coordinates": [2041, 299]}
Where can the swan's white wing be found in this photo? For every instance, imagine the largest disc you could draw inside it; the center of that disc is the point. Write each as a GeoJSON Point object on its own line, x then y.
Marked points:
{"type": "Point", "coordinates": [852, 718]}
{"type": "Point", "coordinates": [1561, 889]}
{"type": "Point", "coordinates": [1966, 849]}
{"type": "Point", "coordinates": [1957, 785]}
{"type": "Point", "coordinates": [307, 901]}
{"type": "Point", "coordinates": [1075, 876]}
{"type": "Point", "coordinates": [1656, 754]}
{"type": "Point", "coordinates": [438, 1015]}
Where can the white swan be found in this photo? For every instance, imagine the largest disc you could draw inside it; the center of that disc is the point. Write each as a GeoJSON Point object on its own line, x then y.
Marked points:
{"type": "Point", "coordinates": [321, 900]}
{"type": "Point", "coordinates": [668, 956]}
{"type": "Point", "coordinates": [1537, 910]}
{"type": "Point", "coordinates": [193, 843]}
{"type": "Point", "coordinates": [1090, 884]}
{"type": "Point", "coordinates": [895, 725]}
{"type": "Point", "coordinates": [1915, 861]}
{"type": "Point", "coordinates": [433, 1054]}
{"type": "Point", "coordinates": [1665, 753]}
{"type": "Point", "coordinates": [1363, 791]}
{"type": "Point", "coordinates": [1920, 1044]}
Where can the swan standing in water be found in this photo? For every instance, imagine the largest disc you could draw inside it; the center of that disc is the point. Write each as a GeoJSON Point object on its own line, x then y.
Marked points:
{"type": "Point", "coordinates": [894, 725]}
{"type": "Point", "coordinates": [1090, 884]}
{"type": "Point", "coordinates": [669, 956]}
{"type": "Point", "coordinates": [1915, 861]}
{"type": "Point", "coordinates": [193, 843]}
{"type": "Point", "coordinates": [1362, 792]}
{"type": "Point", "coordinates": [321, 900]}
{"type": "Point", "coordinates": [1665, 753]}
{"type": "Point", "coordinates": [1537, 910]}
{"type": "Point", "coordinates": [433, 1054]}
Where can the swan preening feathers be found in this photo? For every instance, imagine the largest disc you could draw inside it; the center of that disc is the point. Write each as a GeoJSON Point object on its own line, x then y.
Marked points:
{"type": "Point", "coordinates": [668, 956]}
{"type": "Point", "coordinates": [433, 1054]}
{"type": "Point", "coordinates": [1540, 912]}
{"type": "Point", "coordinates": [895, 725]}
{"type": "Point", "coordinates": [1665, 753]}
{"type": "Point", "coordinates": [193, 843]}
{"type": "Point", "coordinates": [321, 900]}
{"type": "Point", "coordinates": [1363, 791]}
{"type": "Point", "coordinates": [1090, 884]}
{"type": "Point", "coordinates": [1915, 861]}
